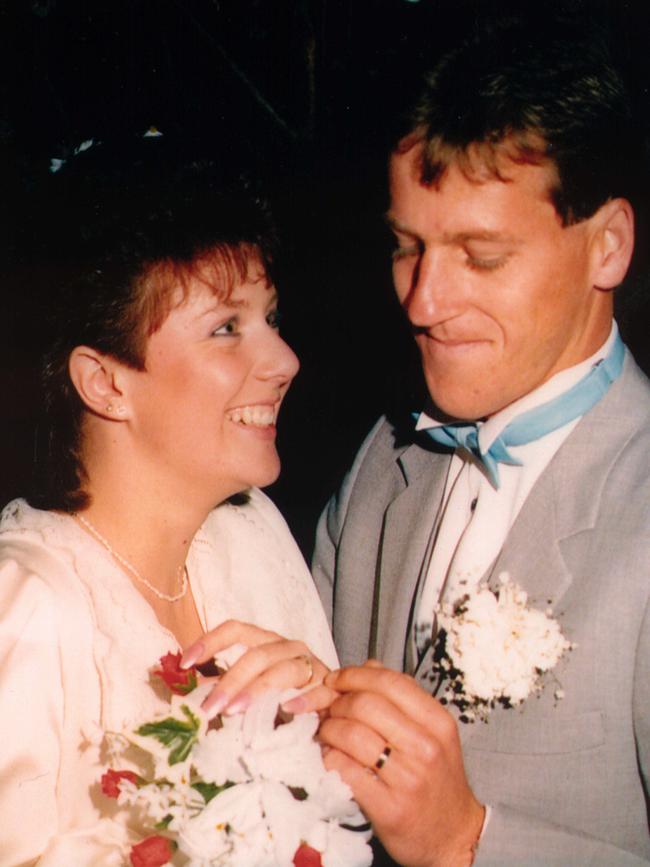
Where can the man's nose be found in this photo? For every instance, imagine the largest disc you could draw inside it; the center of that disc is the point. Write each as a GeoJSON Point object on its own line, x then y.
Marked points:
{"type": "Point", "coordinates": [434, 293]}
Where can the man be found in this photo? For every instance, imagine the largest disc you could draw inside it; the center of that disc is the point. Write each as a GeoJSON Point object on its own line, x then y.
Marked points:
{"type": "Point", "coordinates": [509, 203]}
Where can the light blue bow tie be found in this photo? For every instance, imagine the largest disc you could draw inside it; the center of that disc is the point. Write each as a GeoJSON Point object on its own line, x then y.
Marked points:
{"type": "Point", "coordinates": [537, 422]}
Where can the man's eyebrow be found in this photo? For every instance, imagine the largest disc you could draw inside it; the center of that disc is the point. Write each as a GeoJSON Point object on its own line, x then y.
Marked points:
{"type": "Point", "coordinates": [480, 235]}
{"type": "Point", "coordinates": [455, 237]}
{"type": "Point", "coordinates": [395, 224]}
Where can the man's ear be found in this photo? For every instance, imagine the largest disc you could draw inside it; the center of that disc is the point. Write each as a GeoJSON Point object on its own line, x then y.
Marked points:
{"type": "Point", "coordinates": [614, 243]}
{"type": "Point", "coordinates": [96, 378]}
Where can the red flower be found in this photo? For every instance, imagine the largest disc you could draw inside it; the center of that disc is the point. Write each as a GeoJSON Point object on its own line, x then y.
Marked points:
{"type": "Point", "coordinates": [152, 852]}
{"type": "Point", "coordinates": [111, 781]}
{"type": "Point", "coordinates": [307, 857]}
{"type": "Point", "coordinates": [179, 680]}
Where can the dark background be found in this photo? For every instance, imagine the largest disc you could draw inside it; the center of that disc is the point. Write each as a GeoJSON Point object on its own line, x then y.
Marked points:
{"type": "Point", "coordinates": [314, 85]}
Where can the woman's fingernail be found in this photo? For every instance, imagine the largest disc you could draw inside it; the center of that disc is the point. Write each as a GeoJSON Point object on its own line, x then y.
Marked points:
{"type": "Point", "coordinates": [215, 703]}
{"type": "Point", "coordinates": [238, 704]}
{"type": "Point", "coordinates": [193, 652]}
{"type": "Point", "coordinates": [295, 705]}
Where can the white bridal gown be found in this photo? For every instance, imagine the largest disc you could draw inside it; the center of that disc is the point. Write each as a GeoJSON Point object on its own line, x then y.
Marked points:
{"type": "Point", "coordinates": [77, 642]}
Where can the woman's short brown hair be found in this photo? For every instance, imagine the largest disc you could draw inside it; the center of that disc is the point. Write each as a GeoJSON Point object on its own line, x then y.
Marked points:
{"type": "Point", "coordinates": [129, 223]}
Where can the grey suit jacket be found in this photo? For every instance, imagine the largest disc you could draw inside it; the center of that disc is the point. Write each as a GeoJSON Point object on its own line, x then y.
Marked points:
{"type": "Point", "coordinates": [568, 781]}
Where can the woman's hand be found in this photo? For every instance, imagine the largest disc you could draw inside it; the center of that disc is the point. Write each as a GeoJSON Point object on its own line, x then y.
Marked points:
{"type": "Point", "coordinates": [271, 662]}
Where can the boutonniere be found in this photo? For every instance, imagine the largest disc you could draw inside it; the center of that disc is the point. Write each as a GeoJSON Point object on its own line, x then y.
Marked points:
{"type": "Point", "coordinates": [493, 649]}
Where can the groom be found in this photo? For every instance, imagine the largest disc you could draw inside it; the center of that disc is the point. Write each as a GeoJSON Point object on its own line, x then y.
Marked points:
{"type": "Point", "coordinates": [513, 224]}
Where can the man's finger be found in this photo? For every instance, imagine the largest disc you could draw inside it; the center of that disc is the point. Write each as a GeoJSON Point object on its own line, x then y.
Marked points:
{"type": "Point", "coordinates": [399, 689]}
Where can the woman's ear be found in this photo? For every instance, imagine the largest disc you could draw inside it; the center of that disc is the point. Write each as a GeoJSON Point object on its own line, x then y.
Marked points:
{"type": "Point", "coordinates": [96, 378]}
{"type": "Point", "coordinates": [615, 243]}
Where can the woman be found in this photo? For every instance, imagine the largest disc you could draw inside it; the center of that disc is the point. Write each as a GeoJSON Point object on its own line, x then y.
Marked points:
{"type": "Point", "coordinates": [162, 387]}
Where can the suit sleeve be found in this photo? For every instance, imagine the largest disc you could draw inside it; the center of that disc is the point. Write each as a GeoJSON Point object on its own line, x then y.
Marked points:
{"type": "Point", "coordinates": [641, 703]}
{"type": "Point", "coordinates": [513, 837]}
{"type": "Point", "coordinates": [330, 527]}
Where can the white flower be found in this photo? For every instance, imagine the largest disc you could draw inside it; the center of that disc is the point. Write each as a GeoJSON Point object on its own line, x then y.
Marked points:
{"type": "Point", "coordinates": [247, 794]}
{"type": "Point", "coordinates": [345, 847]}
{"type": "Point", "coordinates": [231, 826]}
{"type": "Point", "coordinates": [500, 645]}
{"type": "Point", "coordinates": [217, 758]}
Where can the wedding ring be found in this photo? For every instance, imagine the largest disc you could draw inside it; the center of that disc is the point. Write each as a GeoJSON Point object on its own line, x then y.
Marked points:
{"type": "Point", "coordinates": [307, 660]}
{"type": "Point", "coordinates": [383, 757]}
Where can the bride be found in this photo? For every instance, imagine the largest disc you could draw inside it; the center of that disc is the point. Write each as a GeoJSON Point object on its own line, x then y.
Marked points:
{"type": "Point", "coordinates": [146, 527]}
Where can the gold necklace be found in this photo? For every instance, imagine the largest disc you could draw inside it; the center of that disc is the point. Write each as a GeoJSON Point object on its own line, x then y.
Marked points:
{"type": "Point", "coordinates": [182, 570]}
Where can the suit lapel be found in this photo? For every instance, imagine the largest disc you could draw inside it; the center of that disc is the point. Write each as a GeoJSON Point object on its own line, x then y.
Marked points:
{"type": "Point", "coordinates": [547, 549]}
{"type": "Point", "coordinates": [409, 525]}
{"type": "Point", "coordinates": [564, 502]}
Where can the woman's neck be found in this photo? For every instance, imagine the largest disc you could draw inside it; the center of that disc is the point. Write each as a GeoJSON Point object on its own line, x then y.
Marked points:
{"type": "Point", "coordinates": [150, 543]}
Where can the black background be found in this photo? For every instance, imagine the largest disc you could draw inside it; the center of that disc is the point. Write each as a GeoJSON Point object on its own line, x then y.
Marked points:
{"type": "Point", "coordinates": [314, 85]}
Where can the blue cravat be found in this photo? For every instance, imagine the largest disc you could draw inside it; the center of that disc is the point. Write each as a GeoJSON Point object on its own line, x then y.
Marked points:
{"type": "Point", "coordinates": [536, 422]}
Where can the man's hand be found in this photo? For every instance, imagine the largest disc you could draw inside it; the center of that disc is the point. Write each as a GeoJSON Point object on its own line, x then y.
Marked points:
{"type": "Point", "coordinates": [416, 795]}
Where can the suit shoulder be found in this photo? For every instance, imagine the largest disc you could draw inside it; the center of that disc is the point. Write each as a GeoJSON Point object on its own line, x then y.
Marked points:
{"type": "Point", "coordinates": [386, 440]}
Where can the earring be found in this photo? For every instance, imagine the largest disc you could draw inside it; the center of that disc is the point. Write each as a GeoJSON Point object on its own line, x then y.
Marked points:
{"type": "Point", "coordinates": [109, 407]}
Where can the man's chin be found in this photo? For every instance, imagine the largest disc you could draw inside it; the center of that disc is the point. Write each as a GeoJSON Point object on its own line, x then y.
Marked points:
{"type": "Point", "coordinates": [460, 405]}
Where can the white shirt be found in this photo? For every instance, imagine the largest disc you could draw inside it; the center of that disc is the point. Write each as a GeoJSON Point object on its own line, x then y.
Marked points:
{"type": "Point", "coordinates": [476, 516]}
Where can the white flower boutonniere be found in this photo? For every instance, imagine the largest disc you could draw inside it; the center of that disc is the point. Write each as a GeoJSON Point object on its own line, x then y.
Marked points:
{"type": "Point", "coordinates": [493, 648]}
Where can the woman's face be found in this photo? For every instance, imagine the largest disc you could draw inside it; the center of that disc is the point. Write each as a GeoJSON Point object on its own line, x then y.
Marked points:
{"type": "Point", "coordinates": [204, 409]}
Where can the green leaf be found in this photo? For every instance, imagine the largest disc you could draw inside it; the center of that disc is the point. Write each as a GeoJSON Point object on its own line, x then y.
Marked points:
{"type": "Point", "coordinates": [179, 736]}
{"type": "Point", "coordinates": [210, 790]}
{"type": "Point", "coordinates": [164, 823]}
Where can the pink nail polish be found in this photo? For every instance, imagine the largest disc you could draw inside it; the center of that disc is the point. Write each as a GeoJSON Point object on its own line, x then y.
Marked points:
{"type": "Point", "coordinates": [295, 705]}
{"type": "Point", "coordinates": [193, 652]}
{"type": "Point", "coordinates": [215, 703]}
{"type": "Point", "coordinates": [238, 704]}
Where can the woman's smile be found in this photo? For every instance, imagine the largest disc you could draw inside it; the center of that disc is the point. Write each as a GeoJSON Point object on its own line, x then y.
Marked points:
{"type": "Point", "coordinates": [207, 403]}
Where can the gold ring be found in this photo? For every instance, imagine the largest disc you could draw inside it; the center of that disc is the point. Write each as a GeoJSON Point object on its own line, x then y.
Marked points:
{"type": "Point", "coordinates": [383, 757]}
{"type": "Point", "coordinates": [307, 659]}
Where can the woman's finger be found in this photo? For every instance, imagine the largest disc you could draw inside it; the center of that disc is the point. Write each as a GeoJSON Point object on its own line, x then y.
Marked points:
{"type": "Point", "coordinates": [318, 698]}
{"type": "Point", "coordinates": [225, 635]}
{"type": "Point", "coordinates": [276, 665]}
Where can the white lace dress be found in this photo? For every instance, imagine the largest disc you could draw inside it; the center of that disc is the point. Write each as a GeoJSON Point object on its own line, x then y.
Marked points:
{"type": "Point", "coordinates": [77, 641]}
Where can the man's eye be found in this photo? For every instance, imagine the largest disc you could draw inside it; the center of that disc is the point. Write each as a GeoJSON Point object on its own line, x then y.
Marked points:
{"type": "Point", "coordinates": [228, 329]}
{"type": "Point", "coordinates": [479, 264]}
{"type": "Point", "coordinates": [403, 251]}
{"type": "Point", "coordinates": [274, 318]}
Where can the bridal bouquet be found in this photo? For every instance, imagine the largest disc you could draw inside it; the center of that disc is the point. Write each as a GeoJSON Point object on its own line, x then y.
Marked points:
{"type": "Point", "coordinates": [493, 648]}
{"type": "Point", "coordinates": [247, 790]}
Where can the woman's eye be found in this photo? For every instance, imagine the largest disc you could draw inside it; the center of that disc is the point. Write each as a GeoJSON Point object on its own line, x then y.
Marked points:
{"type": "Point", "coordinates": [273, 319]}
{"type": "Point", "coordinates": [228, 329]}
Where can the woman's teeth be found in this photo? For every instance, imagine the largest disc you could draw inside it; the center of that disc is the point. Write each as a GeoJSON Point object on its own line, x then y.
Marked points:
{"type": "Point", "coordinates": [261, 416]}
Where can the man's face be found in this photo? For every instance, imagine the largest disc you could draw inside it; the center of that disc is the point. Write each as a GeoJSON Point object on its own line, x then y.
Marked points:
{"type": "Point", "coordinates": [499, 293]}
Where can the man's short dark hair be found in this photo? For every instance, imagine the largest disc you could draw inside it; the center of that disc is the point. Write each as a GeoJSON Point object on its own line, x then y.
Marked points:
{"type": "Point", "coordinates": [540, 93]}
